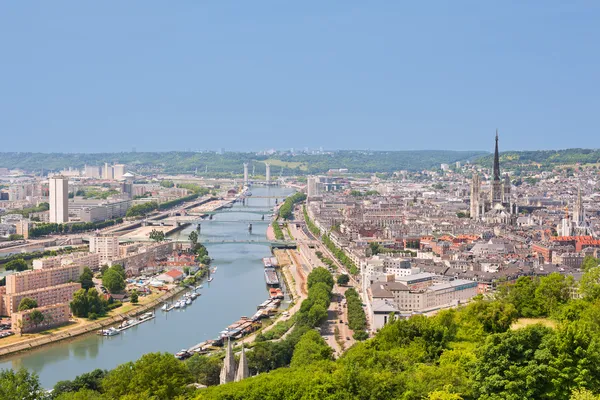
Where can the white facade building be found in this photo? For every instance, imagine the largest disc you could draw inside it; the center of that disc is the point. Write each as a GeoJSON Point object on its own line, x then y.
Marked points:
{"type": "Point", "coordinates": [59, 199]}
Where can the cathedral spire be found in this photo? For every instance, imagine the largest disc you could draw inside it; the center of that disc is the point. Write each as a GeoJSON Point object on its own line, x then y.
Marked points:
{"type": "Point", "coordinates": [496, 160]}
{"type": "Point", "coordinates": [242, 371]}
{"type": "Point", "coordinates": [228, 370]}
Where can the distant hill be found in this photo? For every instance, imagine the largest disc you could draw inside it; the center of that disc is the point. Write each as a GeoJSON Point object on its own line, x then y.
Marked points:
{"type": "Point", "coordinates": [231, 163]}
{"type": "Point", "coordinates": [543, 158]}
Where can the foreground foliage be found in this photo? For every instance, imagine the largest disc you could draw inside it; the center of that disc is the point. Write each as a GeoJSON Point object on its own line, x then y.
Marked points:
{"type": "Point", "coordinates": [469, 353]}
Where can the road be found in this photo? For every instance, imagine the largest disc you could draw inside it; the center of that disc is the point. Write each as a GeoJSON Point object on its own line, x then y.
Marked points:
{"type": "Point", "coordinates": [337, 310]}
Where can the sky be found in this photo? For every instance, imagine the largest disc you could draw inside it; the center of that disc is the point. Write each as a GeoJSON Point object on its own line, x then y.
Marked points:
{"type": "Point", "coordinates": [95, 76]}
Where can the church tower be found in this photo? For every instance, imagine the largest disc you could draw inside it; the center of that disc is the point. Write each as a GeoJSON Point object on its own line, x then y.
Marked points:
{"type": "Point", "coordinates": [242, 371]}
{"type": "Point", "coordinates": [496, 193]}
{"type": "Point", "coordinates": [228, 370]}
{"type": "Point", "coordinates": [579, 212]}
{"type": "Point", "coordinates": [475, 186]}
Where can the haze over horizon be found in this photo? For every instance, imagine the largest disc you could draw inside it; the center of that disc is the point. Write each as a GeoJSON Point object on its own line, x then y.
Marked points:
{"type": "Point", "coordinates": [111, 76]}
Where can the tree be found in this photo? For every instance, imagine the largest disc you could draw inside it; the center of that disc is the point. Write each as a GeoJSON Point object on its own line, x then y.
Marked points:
{"type": "Point", "coordinates": [14, 236]}
{"type": "Point", "coordinates": [27, 304]}
{"type": "Point", "coordinates": [79, 304]}
{"type": "Point", "coordinates": [320, 274]}
{"type": "Point", "coordinates": [311, 348]}
{"type": "Point", "coordinates": [157, 236]}
{"type": "Point", "coordinates": [134, 297]}
{"type": "Point", "coordinates": [589, 285]}
{"type": "Point", "coordinates": [113, 280]}
{"type": "Point", "coordinates": [589, 262]}
{"type": "Point", "coordinates": [154, 375]}
{"type": "Point", "coordinates": [16, 265]}
{"type": "Point", "coordinates": [204, 369]}
{"type": "Point", "coordinates": [20, 385]}
{"type": "Point", "coordinates": [553, 291]}
{"type": "Point", "coordinates": [193, 237]}
{"type": "Point", "coordinates": [86, 278]}
{"type": "Point", "coordinates": [508, 367]}
{"type": "Point", "coordinates": [95, 304]}
{"type": "Point", "coordinates": [343, 279]}
{"type": "Point", "coordinates": [36, 318]}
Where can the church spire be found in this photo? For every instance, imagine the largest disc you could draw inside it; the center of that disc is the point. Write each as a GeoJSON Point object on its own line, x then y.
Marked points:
{"type": "Point", "coordinates": [496, 160]}
{"type": "Point", "coordinates": [242, 371]}
{"type": "Point", "coordinates": [228, 370]}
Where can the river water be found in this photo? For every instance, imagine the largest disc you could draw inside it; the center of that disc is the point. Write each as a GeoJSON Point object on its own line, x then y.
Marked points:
{"type": "Point", "coordinates": [238, 287]}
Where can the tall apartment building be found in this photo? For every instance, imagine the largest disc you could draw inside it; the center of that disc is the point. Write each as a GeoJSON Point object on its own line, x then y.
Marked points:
{"type": "Point", "coordinates": [59, 199]}
{"type": "Point", "coordinates": [58, 294]}
{"type": "Point", "coordinates": [91, 260]}
{"type": "Point", "coordinates": [54, 315]}
{"type": "Point", "coordinates": [118, 171]}
{"type": "Point", "coordinates": [42, 278]}
{"type": "Point", "coordinates": [107, 247]}
{"type": "Point", "coordinates": [92, 171]}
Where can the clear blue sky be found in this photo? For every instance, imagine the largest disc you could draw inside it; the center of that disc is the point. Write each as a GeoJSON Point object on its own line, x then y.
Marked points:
{"type": "Point", "coordinates": [248, 75]}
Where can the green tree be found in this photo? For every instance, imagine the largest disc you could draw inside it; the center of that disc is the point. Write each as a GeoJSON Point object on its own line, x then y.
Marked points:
{"type": "Point", "coordinates": [157, 236]}
{"type": "Point", "coordinates": [553, 290]}
{"type": "Point", "coordinates": [589, 262]}
{"type": "Point", "coordinates": [508, 368]}
{"type": "Point", "coordinates": [155, 375]}
{"type": "Point", "coordinates": [343, 279]}
{"type": "Point", "coordinates": [320, 274]}
{"type": "Point", "coordinates": [81, 394]}
{"type": "Point", "coordinates": [589, 285]}
{"type": "Point", "coordinates": [193, 237]}
{"type": "Point", "coordinates": [113, 280]}
{"type": "Point", "coordinates": [95, 304]}
{"type": "Point", "coordinates": [494, 316]}
{"type": "Point", "coordinates": [134, 297]}
{"type": "Point", "coordinates": [204, 369]}
{"type": "Point", "coordinates": [16, 265]}
{"type": "Point", "coordinates": [86, 278]}
{"type": "Point", "coordinates": [27, 304]}
{"type": "Point", "coordinates": [79, 304]}
{"type": "Point", "coordinates": [20, 385]}
{"type": "Point", "coordinates": [36, 318]}
{"type": "Point", "coordinates": [311, 348]}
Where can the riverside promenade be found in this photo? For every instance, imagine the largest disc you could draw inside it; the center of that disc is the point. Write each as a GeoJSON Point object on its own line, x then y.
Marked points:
{"type": "Point", "coordinates": [87, 327]}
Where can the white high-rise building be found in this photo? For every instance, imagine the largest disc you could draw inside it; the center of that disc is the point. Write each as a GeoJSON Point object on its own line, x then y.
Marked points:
{"type": "Point", "coordinates": [107, 172]}
{"type": "Point", "coordinates": [106, 246]}
{"type": "Point", "coordinates": [59, 199]}
{"type": "Point", "coordinates": [118, 171]}
{"type": "Point", "coordinates": [268, 172]}
{"type": "Point", "coordinates": [246, 174]}
{"type": "Point", "coordinates": [312, 186]}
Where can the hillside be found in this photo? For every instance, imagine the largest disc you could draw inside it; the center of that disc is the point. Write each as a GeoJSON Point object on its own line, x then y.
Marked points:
{"type": "Point", "coordinates": [543, 158]}
{"type": "Point", "coordinates": [231, 163]}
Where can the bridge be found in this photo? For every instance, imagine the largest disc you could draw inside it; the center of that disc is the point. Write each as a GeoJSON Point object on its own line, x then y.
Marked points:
{"type": "Point", "coordinates": [238, 210]}
{"type": "Point", "coordinates": [276, 244]}
{"type": "Point", "coordinates": [243, 221]}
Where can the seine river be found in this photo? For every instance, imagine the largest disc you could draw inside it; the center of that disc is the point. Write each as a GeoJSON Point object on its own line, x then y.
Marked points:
{"type": "Point", "coordinates": [238, 287]}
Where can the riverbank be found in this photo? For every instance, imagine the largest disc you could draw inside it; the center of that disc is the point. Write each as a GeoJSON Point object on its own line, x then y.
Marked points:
{"type": "Point", "coordinates": [77, 329]}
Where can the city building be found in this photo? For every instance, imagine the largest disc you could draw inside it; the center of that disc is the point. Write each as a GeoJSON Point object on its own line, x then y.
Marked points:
{"type": "Point", "coordinates": [54, 315]}
{"type": "Point", "coordinates": [59, 199]}
{"type": "Point", "coordinates": [45, 296]}
{"type": "Point", "coordinates": [82, 259]}
{"type": "Point", "coordinates": [106, 246]}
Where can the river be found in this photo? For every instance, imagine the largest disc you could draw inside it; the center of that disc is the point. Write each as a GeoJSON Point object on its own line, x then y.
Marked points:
{"type": "Point", "coordinates": [238, 287]}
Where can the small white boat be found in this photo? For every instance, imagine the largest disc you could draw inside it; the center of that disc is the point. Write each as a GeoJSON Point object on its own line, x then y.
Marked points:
{"type": "Point", "coordinates": [188, 301]}
{"type": "Point", "coordinates": [164, 307]}
{"type": "Point", "coordinates": [195, 295]}
{"type": "Point", "coordinates": [210, 279]}
{"type": "Point", "coordinates": [110, 332]}
{"type": "Point", "coordinates": [182, 303]}
{"type": "Point", "coordinates": [177, 305]}
{"type": "Point", "coordinates": [146, 316]}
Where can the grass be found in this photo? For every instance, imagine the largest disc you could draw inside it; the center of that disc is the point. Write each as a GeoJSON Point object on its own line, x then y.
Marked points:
{"type": "Point", "coordinates": [287, 164]}
{"type": "Point", "coordinates": [523, 322]}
